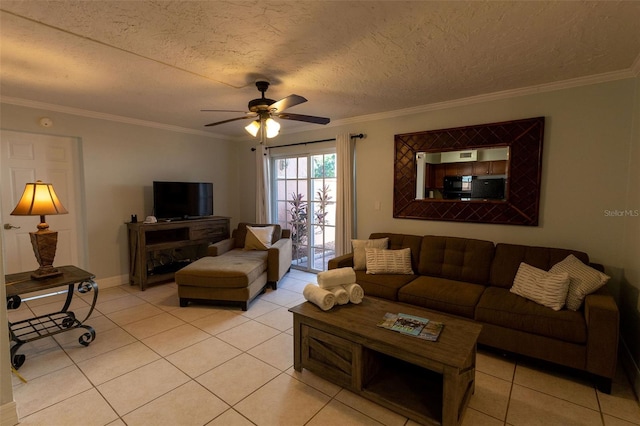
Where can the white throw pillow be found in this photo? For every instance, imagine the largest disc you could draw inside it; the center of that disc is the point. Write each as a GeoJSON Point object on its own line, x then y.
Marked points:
{"type": "Point", "coordinates": [382, 261]}
{"type": "Point", "coordinates": [359, 255]}
{"type": "Point", "coordinates": [583, 280]}
{"type": "Point", "coordinates": [258, 237]}
{"type": "Point", "coordinates": [547, 289]}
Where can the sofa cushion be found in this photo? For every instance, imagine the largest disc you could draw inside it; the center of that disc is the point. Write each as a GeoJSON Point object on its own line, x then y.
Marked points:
{"type": "Point", "coordinates": [441, 294]}
{"type": "Point", "coordinates": [459, 259]}
{"type": "Point", "coordinates": [508, 257]}
{"type": "Point", "coordinates": [240, 233]}
{"type": "Point", "coordinates": [542, 287]}
{"type": "Point", "coordinates": [234, 269]}
{"type": "Point", "coordinates": [584, 280]}
{"type": "Point", "coordinates": [385, 286]}
{"type": "Point", "coordinates": [382, 261]}
{"type": "Point", "coordinates": [400, 241]}
{"type": "Point", "coordinates": [359, 254]}
{"type": "Point", "coordinates": [500, 307]}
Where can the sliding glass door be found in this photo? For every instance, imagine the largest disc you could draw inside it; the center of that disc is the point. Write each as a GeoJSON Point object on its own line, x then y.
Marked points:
{"type": "Point", "coordinates": [304, 189]}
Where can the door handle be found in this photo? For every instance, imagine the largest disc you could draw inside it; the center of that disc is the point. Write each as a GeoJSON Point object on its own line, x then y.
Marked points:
{"type": "Point", "coordinates": [10, 226]}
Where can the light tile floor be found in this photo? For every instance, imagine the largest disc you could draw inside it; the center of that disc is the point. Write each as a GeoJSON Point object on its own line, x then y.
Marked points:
{"type": "Point", "coordinates": [154, 363]}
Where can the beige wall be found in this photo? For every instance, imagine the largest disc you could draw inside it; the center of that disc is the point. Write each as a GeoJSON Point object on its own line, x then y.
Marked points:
{"type": "Point", "coordinates": [120, 162]}
{"type": "Point", "coordinates": [630, 284]}
{"type": "Point", "coordinates": [8, 411]}
{"type": "Point", "coordinates": [585, 168]}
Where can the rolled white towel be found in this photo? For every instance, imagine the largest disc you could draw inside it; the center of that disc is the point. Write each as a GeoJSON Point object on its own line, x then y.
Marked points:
{"type": "Point", "coordinates": [336, 277]}
{"type": "Point", "coordinates": [324, 299]}
{"type": "Point", "coordinates": [342, 297]}
{"type": "Point", "coordinates": [355, 292]}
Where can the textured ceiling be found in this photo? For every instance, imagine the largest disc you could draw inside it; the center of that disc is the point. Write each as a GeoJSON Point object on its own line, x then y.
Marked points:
{"type": "Point", "coordinates": [164, 61]}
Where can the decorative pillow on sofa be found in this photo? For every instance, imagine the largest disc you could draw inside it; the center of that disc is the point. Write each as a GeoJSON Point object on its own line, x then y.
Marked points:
{"type": "Point", "coordinates": [359, 255]}
{"type": "Point", "coordinates": [258, 237]}
{"type": "Point", "coordinates": [583, 280]}
{"type": "Point", "coordinates": [546, 288]}
{"type": "Point", "coordinates": [382, 261]}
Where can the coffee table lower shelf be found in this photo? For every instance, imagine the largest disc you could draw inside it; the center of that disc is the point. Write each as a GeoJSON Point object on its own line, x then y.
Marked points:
{"type": "Point", "coordinates": [406, 388]}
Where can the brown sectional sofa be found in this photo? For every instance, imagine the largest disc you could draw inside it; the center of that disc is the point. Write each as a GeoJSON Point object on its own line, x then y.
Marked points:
{"type": "Point", "coordinates": [471, 279]}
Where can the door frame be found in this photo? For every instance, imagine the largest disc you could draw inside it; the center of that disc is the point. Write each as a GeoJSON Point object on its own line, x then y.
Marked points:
{"type": "Point", "coordinates": [308, 153]}
{"type": "Point", "coordinates": [78, 186]}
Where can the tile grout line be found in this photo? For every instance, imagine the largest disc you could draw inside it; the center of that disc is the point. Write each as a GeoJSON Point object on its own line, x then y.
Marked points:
{"type": "Point", "coordinates": [513, 379]}
{"type": "Point", "coordinates": [58, 345]}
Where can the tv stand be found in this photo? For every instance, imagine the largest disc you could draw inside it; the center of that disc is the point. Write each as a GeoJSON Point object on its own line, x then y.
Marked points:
{"type": "Point", "coordinates": [158, 250]}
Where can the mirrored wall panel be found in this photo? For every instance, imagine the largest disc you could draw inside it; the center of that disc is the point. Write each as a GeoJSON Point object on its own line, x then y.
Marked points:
{"type": "Point", "coordinates": [487, 173]}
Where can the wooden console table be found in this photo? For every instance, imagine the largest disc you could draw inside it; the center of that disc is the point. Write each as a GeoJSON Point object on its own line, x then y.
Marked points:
{"type": "Point", "coordinates": [46, 325]}
{"type": "Point", "coordinates": [158, 250]}
{"type": "Point", "coordinates": [429, 382]}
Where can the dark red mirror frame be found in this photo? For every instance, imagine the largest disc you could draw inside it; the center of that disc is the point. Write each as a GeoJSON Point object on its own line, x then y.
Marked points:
{"type": "Point", "coordinates": [523, 137]}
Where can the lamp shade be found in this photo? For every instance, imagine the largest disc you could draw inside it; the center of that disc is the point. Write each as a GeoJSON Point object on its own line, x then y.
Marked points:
{"type": "Point", "coordinates": [39, 199]}
{"type": "Point", "coordinates": [272, 127]}
{"type": "Point", "coordinates": [253, 128]}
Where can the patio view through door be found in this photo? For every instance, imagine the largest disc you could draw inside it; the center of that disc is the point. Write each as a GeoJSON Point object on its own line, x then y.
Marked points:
{"type": "Point", "coordinates": [304, 201]}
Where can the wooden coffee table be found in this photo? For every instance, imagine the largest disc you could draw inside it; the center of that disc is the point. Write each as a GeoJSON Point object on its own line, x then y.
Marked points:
{"type": "Point", "coordinates": [429, 382]}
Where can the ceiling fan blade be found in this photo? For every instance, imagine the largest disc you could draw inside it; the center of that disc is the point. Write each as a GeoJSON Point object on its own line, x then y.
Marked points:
{"type": "Point", "coordinates": [288, 102]}
{"type": "Point", "coordinates": [230, 120]}
{"type": "Point", "coordinates": [306, 118]}
{"type": "Point", "coordinates": [222, 110]}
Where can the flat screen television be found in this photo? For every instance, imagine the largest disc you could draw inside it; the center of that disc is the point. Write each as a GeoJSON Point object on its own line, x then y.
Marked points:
{"type": "Point", "coordinates": [182, 200]}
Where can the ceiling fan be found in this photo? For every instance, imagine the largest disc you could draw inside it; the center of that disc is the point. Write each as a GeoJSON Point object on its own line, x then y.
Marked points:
{"type": "Point", "coordinates": [264, 110]}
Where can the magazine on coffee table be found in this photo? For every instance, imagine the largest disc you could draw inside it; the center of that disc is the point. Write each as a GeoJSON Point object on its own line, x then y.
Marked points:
{"type": "Point", "coordinates": [431, 331]}
{"type": "Point", "coordinates": [409, 324]}
{"type": "Point", "coordinates": [388, 320]}
{"type": "Point", "coordinates": [412, 325]}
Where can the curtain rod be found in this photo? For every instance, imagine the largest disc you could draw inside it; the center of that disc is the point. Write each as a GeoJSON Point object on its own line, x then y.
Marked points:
{"type": "Point", "coordinates": [359, 136]}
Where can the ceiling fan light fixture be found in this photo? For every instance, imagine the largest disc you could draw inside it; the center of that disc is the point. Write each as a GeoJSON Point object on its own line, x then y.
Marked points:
{"type": "Point", "coordinates": [263, 108]}
{"type": "Point", "coordinates": [272, 128]}
{"type": "Point", "coordinates": [253, 128]}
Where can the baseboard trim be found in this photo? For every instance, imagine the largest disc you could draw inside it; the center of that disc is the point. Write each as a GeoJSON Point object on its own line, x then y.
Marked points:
{"type": "Point", "coordinates": [116, 281]}
{"type": "Point", "coordinates": [9, 414]}
{"type": "Point", "coordinates": [631, 368]}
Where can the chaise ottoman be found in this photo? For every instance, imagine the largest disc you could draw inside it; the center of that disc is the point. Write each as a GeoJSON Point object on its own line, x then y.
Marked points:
{"type": "Point", "coordinates": [237, 278]}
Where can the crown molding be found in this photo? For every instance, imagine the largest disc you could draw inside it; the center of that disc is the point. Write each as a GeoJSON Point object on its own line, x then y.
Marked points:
{"type": "Point", "coordinates": [633, 71]}
{"type": "Point", "coordinates": [505, 94]}
{"type": "Point", "coordinates": [103, 116]}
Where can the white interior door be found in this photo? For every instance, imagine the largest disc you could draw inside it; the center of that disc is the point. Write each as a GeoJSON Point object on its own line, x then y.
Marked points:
{"type": "Point", "coordinates": [28, 157]}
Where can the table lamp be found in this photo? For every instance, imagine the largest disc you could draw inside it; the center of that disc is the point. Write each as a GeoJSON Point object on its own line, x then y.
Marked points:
{"type": "Point", "coordinates": [39, 199]}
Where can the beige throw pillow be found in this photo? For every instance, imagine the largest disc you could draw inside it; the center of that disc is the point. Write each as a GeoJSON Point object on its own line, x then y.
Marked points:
{"type": "Point", "coordinates": [583, 280]}
{"type": "Point", "coordinates": [547, 289]}
{"type": "Point", "coordinates": [381, 261]}
{"type": "Point", "coordinates": [258, 237]}
{"type": "Point", "coordinates": [359, 255]}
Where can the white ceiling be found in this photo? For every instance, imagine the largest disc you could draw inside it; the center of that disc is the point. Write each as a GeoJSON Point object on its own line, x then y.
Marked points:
{"type": "Point", "coordinates": [164, 61]}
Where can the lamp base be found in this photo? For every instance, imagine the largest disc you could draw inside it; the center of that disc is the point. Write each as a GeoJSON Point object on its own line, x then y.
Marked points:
{"type": "Point", "coordinates": [44, 247]}
{"type": "Point", "coordinates": [45, 272]}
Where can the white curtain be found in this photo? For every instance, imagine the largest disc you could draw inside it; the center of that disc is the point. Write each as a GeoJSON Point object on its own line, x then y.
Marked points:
{"type": "Point", "coordinates": [263, 197]}
{"type": "Point", "coordinates": [345, 206]}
